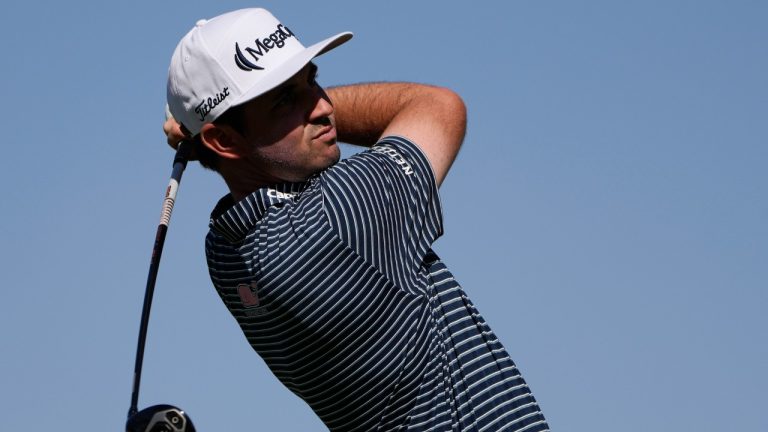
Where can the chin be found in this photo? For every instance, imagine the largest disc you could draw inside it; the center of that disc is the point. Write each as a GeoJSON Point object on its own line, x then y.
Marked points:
{"type": "Point", "coordinates": [335, 154]}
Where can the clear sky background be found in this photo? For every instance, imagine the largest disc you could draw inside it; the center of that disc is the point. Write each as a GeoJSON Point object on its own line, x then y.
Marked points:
{"type": "Point", "coordinates": [612, 192]}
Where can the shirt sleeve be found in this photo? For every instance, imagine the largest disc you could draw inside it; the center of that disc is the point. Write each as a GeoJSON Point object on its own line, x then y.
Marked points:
{"type": "Point", "coordinates": [384, 204]}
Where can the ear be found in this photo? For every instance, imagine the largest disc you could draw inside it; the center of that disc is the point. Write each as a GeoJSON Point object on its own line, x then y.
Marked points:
{"type": "Point", "coordinates": [223, 140]}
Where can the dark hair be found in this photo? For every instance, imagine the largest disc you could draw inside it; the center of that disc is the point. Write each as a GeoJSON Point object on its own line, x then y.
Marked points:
{"type": "Point", "coordinates": [232, 117]}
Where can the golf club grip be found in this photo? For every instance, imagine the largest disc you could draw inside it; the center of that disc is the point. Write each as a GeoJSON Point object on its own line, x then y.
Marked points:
{"type": "Point", "coordinates": [179, 164]}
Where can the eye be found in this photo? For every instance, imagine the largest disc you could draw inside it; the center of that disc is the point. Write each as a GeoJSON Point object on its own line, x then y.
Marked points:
{"type": "Point", "coordinates": [285, 99]}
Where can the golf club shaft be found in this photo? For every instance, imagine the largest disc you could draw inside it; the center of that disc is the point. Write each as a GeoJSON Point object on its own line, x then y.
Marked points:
{"type": "Point", "coordinates": [179, 164]}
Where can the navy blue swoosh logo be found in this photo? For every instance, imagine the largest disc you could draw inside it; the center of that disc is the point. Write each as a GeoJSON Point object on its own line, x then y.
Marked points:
{"type": "Point", "coordinates": [242, 62]}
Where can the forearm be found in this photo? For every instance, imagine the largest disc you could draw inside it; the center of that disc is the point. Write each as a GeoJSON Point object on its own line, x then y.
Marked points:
{"type": "Point", "coordinates": [363, 111]}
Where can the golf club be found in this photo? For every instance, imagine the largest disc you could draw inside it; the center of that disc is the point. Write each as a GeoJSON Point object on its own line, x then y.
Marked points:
{"type": "Point", "coordinates": [158, 418]}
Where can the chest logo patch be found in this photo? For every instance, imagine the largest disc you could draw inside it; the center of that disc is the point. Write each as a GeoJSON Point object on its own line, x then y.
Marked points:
{"type": "Point", "coordinates": [249, 296]}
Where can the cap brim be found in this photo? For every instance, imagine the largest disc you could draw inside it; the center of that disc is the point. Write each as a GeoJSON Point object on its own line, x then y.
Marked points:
{"type": "Point", "coordinates": [282, 73]}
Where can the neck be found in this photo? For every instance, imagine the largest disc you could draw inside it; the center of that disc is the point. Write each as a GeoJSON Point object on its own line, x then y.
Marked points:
{"type": "Point", "coordinates": [243, 179]}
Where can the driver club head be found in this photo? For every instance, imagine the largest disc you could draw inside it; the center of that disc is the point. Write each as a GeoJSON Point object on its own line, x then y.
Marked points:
{"type": "Point", "coordinates": [160, 418]}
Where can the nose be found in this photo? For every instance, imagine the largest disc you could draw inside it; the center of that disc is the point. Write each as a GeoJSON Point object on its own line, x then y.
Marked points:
{"type": "Point", "coordinates": [322, 107]}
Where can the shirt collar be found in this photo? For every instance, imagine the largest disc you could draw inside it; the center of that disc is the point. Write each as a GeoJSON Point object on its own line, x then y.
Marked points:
{"type": "Point", "coordinates": [233, 220]}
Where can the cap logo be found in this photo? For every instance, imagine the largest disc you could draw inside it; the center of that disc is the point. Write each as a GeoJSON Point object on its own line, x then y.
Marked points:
{"type": "Point", "coordinates": [263, 46]}
{"type": "Point", "coordinates": [205, 107]}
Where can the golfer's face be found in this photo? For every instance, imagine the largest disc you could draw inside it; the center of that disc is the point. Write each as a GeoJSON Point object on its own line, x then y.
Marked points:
{"type": "Point", "coordinates": [291, 130]}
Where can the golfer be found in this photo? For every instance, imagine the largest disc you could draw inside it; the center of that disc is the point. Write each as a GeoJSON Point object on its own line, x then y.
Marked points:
{"type": "Point", "coordinates": [327, 265]}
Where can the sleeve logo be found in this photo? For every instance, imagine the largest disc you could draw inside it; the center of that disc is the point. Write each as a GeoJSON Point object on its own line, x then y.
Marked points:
{"type": "Point", "coordinates": [396, 157]}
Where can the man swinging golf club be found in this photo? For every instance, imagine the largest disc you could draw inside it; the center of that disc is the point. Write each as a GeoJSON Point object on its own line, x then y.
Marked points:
{"type": "Point", "coordinates": [327, 265]}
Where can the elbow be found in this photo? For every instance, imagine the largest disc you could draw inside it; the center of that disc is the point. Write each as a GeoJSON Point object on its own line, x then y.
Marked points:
{"type": "Point", "coordinates": [453, 111]}
{"type": "Point", "coordinates": [451, 102]}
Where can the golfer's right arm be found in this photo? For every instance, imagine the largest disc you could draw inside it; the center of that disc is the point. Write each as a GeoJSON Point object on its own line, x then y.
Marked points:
{"type": "Point", "coordinates": [434, 118]}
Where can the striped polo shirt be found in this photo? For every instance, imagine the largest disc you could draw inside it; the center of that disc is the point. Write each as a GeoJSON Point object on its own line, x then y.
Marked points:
{"type": "Point", "coordinates": [335, 285]}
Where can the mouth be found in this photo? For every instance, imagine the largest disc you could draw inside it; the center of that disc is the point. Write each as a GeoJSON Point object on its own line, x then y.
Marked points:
{"type": "Point", "coordinates": [326, 133]}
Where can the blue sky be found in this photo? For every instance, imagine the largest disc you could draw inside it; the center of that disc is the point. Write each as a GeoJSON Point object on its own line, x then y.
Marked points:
{"type": "Point", "coordinates": [607, 213]}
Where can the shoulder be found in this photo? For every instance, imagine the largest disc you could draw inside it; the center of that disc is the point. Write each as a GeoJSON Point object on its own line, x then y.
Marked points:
{"type": "Point", "coordinates": [391, 157]}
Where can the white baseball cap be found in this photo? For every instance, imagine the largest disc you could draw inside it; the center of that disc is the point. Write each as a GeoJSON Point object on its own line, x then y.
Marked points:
{"type": "Point", "coordinates": [231, 59]}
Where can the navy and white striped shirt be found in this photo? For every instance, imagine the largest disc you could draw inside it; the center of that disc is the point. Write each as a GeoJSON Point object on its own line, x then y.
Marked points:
{"type": "Point", "coordinates": [335, 285]}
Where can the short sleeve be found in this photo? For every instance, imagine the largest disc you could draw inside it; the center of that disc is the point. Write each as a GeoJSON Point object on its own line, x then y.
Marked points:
{"type": "Point", "coordinates": [384, 204]}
